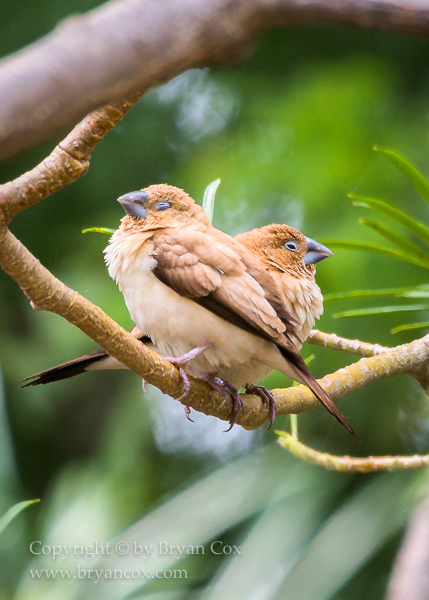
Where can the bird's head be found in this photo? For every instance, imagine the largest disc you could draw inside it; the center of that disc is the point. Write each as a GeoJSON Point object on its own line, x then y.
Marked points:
{"type": "Point", "coordinates": [285, 249]}
{"type": "Point", "coordinates": [158, 207]}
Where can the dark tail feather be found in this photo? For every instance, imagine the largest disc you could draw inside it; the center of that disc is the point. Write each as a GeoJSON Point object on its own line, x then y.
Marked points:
{"type": "Point", "coordinates": [66, 370]}
{"type": "Point", "coordinates": [72, 367]}
{"type": "Point", "coordinates": [298, 362]}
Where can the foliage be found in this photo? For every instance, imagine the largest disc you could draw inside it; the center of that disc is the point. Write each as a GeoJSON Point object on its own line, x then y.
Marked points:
{"type": "Point", "coordinates": [13, 512]}
{"type": "Point", "coordinates": [405, 250]}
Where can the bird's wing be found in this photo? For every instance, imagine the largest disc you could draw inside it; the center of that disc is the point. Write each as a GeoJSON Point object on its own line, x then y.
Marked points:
{"type": "Point", "coordinates": [200, 267]}
{"type": "Point", "coordinates": [273, 291]}
{"type": "Point", "coordinates": [220, 277]}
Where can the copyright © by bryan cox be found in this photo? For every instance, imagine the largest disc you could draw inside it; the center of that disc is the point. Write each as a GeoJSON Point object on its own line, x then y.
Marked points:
{"type": "Point", "coordinates": [133, 548]}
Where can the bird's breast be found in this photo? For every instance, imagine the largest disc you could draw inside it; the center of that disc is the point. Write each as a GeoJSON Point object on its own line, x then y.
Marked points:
{"type": "Point", "coordinates": [177, 324]}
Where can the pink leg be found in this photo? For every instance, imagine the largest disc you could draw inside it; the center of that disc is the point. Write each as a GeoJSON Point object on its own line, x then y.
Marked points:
{"type": "Point", "coordinates": [180, 362]}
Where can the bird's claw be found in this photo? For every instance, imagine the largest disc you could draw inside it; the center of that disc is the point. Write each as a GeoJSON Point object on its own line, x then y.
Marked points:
{"type": "Point", "coordinates": [188, 413]}
{"type": "Point", "coordinates": [224, 388]}
{"type": "Point", "coordinates": [267, 398]}
{"type": "Point", "coordinates": [186, 384]}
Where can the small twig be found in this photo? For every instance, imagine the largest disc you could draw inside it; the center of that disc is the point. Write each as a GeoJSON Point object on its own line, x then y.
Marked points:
{"type": "Point", "coordinates": [335, 342]}
{"type": "Point", "coordinates": [369, 464]}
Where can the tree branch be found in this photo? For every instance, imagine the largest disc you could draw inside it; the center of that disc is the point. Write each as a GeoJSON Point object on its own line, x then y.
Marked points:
{"type": "Point", "coordinates": [66, 163]}
{"type": "Point", "coordinates": [351, 464]}
{"type": "Point", "coordinates": [123, 46]}
{"type": "Point", "coordinates": [335, 342]}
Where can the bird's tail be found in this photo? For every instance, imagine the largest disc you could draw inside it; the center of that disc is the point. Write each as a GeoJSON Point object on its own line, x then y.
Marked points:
{"type": "Point", "coordinates": [95, 361]}
{"type": "Point", "coordinates": [304, 375]}
{"type": "Point", "coordinates": [67, 369]}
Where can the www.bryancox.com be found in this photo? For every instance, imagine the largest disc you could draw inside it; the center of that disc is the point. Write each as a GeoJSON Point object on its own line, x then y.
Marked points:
{"type": "Point", "coordinates": [96, 574]}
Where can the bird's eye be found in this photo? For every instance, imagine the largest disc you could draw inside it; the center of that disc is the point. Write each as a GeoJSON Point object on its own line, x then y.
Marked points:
{"type": "Point", "coordinates": [292, 246]}
{"type": "Point", "coordinates": [162, 205]}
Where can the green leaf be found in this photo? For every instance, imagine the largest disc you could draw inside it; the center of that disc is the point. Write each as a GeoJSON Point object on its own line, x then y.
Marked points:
{"type": "Point", "coordinates": [415, 294]}
{"type": "Point", "coordinates": [417, 179]}
{"type": "Point", "coordinates": [378, 310]}
{"type": "Point", "coordinates": [410, 326]}
{"type": "Point", "coordinates": [209, 198]}
{"type": "Point", "coordinates": [413, 225]}
{"type": "Point", "coordinates": [374, 249]}
{"type": "Point", "coordinates": [13, 512]}
{"type": "Point", "coordinates": [411, 292]}
{"type": "Point", "coordinates": [353, 533]}
{"type": "Point", "coordinates": [282, 532]}
{"type": "Point", "coordinates": [403, 244]}
{"type": "Point", "coordinates": [99, 230]}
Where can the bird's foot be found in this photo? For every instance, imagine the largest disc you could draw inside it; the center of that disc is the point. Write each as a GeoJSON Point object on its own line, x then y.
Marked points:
{"type": "Point", "coordinates": [267, 398]}
{"type": "Point", "coordinates": [188, 413]}
{"type": "Point", "coordinates": [225, 388]}
{"type": "Point", "coordinates": [180, 362]}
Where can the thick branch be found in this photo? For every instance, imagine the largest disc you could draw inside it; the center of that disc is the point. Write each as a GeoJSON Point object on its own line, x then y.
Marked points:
{"type": "Point", "coordinates": [48, 293]}
{"type": "Point", "coordinates": [124, 46]}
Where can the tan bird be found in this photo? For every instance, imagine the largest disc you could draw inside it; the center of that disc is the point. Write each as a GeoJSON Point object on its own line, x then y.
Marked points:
{"type": "Point", "coordinates": [187, 285]}
{"type": "Point", "coordinates": [290, 257]}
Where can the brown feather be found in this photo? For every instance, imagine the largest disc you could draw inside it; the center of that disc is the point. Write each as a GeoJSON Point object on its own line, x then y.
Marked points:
{"type": "Point", "coordinates": [73, 367]}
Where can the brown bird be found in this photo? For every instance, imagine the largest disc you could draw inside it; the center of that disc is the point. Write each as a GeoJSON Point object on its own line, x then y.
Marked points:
{"type": "Point", "coordinates": [290, 257]}
{"type": "Point", "coordinates": [188, 285]}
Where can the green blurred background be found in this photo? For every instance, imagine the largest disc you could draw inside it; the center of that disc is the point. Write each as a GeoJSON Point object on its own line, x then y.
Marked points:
{"type": "Point", "coordinates": [289, 132]}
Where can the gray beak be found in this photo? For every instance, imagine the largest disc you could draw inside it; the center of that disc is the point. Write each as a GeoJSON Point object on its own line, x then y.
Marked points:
{"type": "Point", "coordinates": [316, 252]}
{"type": "Point", "coordinates": [133, 202]}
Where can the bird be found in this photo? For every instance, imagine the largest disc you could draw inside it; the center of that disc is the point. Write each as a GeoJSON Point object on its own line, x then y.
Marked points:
{"type": "Point", "coordinates": [188, 285]}
{"type": "Point", "coordinates": [290, 258]}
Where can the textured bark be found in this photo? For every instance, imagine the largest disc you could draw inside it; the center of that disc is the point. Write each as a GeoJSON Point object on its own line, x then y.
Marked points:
{"type": "Point", "coordinates": [335, 342]}
{"type": "Point", "coordinates": [124, 46]}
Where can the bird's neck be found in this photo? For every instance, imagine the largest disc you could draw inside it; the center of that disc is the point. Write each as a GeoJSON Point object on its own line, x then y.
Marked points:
{"type": "Point", "coordinates": [304, 300]}
{"type": "Point", "coordinates": [127, 252]}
